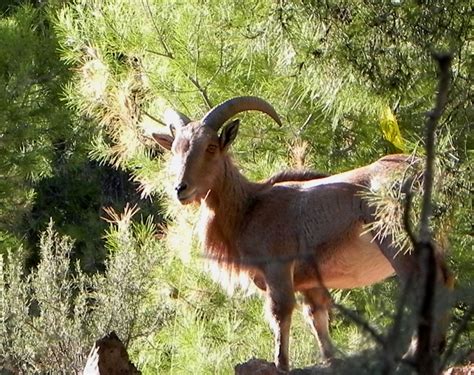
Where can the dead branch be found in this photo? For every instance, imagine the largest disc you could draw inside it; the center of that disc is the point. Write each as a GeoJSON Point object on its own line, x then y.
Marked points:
{"type": "Point", "coordinates": [424, 248]}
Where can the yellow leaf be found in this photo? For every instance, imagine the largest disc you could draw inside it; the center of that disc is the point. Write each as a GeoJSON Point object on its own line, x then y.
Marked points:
{"type": "Point", "coordinates": [390, 129]}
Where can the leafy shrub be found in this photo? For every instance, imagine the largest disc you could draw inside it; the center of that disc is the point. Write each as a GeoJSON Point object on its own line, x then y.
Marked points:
{"type": "Point", "coordinates": [50, 318]}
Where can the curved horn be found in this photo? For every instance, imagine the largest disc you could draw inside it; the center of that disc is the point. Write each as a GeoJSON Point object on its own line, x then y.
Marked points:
{"type": "Point", "coordinates": [216, 117]}
{"type": "Point", "coordinates": [175, 119]}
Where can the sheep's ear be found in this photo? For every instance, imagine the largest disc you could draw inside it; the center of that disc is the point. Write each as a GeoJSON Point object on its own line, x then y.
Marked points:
{"type": "Point", "coordinates": [229, 133]}
{"type": "Point", "coordinates": [164, 140]}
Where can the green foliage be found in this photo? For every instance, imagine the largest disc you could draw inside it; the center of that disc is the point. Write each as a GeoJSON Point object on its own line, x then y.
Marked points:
{"type": "Point", "coordinates": [351, 80]}
{"type": "Point", "coordinates": [50, 318]}
{"type": "Point", "coordinates": [211, 332]}
{"type": "Point", "coordinates": [328, 69]}
{"type": "Point", "coordinates": [44, 166]}
{"type": "Point", "coordinates": [38, 135]}
{"type": "Point", "coordinates": [74, 198]}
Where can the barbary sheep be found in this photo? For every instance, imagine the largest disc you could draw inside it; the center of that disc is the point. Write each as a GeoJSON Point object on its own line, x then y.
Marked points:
{"type": "Point", "coordinates": [295, 233]}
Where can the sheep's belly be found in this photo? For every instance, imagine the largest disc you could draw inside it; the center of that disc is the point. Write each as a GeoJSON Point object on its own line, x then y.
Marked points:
{"type": "Point", "coordinates": [356, 262]}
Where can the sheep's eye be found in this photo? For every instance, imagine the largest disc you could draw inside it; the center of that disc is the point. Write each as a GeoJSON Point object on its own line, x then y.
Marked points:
{"type": "Point", "coordinates": [211, 149]}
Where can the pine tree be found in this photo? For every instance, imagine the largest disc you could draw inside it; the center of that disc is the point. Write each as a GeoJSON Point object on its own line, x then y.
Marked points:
{"type": "Point", "coordinates": [36, 127]}
{"type": "Point", "coordinates": [351, 81]}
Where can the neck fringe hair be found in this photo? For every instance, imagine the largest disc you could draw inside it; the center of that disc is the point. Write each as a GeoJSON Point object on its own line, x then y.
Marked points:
{"type": "Point", "coordinates": [222, 216]}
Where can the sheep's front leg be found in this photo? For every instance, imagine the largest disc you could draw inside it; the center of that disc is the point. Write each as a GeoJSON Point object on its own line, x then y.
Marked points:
{"type": "Point", "coordinates": [280, 302]}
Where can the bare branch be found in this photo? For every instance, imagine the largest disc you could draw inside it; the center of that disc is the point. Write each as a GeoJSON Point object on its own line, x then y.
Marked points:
{"type": "Point", "coordinates": [394, 333]}
{"type": "Point", "coordinates": [455, 339]}
{"type": "Point", "coordinates": [362, 323]}
{"type": "Point", "coordinates": [444, 63]}
{"type": "Point", "coordinates": [202, 90]}
{"type": "Point", "coordinates": [153, 118]}
{"type": "Point", "coordinates": [424, 248]}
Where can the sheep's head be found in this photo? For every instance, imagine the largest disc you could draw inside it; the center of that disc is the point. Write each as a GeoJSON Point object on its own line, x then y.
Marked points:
{"type": "Point", "coordinates": [198, 147]}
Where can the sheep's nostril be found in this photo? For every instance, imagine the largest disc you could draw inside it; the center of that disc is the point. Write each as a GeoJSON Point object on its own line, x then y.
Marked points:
{"type": "Point", "coordinates": [180, 188]}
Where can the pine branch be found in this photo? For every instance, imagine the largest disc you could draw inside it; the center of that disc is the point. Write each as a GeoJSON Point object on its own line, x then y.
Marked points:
{"type": "Point", "coordinates": [202, 90]}
{"type": "Point", "coordinates": [168, 53]}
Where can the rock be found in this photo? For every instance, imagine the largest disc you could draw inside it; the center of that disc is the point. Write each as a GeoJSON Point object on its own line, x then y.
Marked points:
{"type": "Point", "coordinates": [467, 369]}
{"type": "Point", "coordinates": [257, 367]}
{"type": "Point", "coordinates": [109, 357]}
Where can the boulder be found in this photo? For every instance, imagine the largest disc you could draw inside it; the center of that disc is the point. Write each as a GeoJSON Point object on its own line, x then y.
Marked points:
{"type": "Point", "coordinates": [109, 357]}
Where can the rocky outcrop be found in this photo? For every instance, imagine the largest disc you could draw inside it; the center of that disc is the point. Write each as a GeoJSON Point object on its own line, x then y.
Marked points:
{"type": "Point", "coordinates": [261, 367]}
{"type": "Point", "coordinates": [109, 357]}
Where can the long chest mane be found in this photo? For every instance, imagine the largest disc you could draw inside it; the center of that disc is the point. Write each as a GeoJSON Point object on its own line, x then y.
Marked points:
{"type": "Point", "coordinates": [220, 223]}
{"type": "Point", "coordinates": [223, 215]}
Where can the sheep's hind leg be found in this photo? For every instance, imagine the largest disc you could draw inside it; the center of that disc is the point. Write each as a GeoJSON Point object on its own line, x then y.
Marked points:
{"type": "Point", "coordinates": [280, 302]}
{"type": "Point", "coordinates": [316, 308]}
{"type": "Point", "coordinates": [407, 268]}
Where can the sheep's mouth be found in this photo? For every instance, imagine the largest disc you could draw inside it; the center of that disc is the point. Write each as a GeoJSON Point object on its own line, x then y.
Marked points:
{"type": "Point", "coordinates": [185, 199]}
